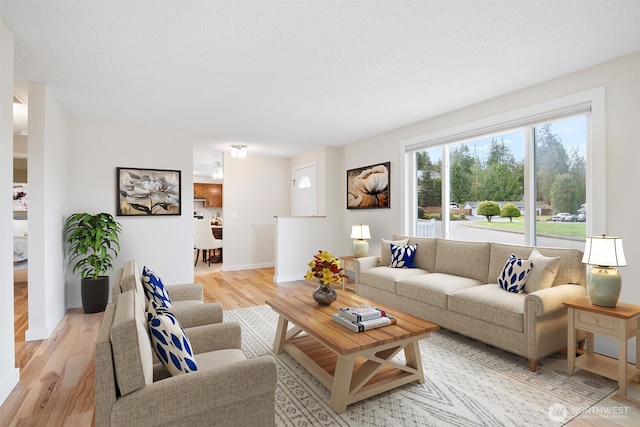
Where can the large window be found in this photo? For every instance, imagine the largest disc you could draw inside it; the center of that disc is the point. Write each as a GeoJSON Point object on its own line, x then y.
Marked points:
{"type": "Point", "coordinates": [521, 184]}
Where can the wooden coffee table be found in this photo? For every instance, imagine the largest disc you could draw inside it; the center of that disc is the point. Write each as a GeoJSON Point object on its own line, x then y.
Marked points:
{"type": "Point", "coordinates": [354, 366]}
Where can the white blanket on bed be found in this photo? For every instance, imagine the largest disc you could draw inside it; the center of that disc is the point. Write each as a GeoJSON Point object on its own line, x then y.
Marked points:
{"type": "Point", "coordinates": [20, 234]}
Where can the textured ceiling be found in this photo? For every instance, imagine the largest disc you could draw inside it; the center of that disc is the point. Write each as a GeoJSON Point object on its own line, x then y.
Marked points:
{"type": "Point", "coordinates": [286, 76]}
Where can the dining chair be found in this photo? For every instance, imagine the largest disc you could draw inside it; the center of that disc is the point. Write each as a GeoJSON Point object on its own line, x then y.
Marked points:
{"type": "Point", "coordinates": [204, 239]}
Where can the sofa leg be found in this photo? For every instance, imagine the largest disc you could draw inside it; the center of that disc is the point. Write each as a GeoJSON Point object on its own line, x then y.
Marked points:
{"type": "Point", "coordinates": [532, 365]}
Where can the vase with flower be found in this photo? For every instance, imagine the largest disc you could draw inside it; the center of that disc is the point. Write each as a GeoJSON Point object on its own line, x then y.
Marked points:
{"type": "Point", "coordinates": [326, 268]}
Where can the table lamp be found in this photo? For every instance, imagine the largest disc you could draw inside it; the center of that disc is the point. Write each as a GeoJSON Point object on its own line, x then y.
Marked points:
{"type": "Point", "coordinates": [603, 281]}
{"type": "Point", "coordinates": [360, 232]}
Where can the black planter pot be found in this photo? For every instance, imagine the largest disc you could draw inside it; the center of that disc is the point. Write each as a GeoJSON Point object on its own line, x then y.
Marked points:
{"type": "Point", "coordinates": [95, 294]}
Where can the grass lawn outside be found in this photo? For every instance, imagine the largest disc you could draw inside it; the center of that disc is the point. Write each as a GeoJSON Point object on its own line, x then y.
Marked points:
{"type": "Point", "coordinates": [549, 228]}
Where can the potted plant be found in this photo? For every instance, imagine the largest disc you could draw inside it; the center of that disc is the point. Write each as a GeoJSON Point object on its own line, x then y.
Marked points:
{"type": "Point", "coordinates": [93, 244]}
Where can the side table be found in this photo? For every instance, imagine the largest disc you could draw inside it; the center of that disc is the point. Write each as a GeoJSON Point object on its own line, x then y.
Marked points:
{"type": "Point", "coordinates": [348, 263]}
{"type": "Point", "coordinates": [621, 322]}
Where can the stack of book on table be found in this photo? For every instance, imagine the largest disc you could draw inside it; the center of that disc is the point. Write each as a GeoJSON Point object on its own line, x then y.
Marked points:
{"type": "Point", "coordinates": [363, 318]}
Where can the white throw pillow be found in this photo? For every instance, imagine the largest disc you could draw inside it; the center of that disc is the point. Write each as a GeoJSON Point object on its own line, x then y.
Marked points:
{"type": "Point", "coordinates": [543, 271]}
{"type": "Point", "coordinates": [169, 341]}
{"type": "Point", "coordinates": [514, 274]}
{"type": "Point", "coordinates": [385, 249]}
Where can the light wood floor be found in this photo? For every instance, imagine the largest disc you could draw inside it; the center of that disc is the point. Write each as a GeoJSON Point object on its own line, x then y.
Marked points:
{"type": "Point", "coordinates": [57, 383]}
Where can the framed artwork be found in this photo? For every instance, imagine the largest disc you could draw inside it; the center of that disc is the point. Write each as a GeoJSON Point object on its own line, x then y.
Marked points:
{"type": "Point", "coordinates": [148, 192]}
{"type": "Point", "coordinates": [20, 203]}
{"type": "Point", "coordinates": [368, 187]}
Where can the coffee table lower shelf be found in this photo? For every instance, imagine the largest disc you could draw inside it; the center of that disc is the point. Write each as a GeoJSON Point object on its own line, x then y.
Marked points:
{"type": "Point", "coordinates": [357, 376]}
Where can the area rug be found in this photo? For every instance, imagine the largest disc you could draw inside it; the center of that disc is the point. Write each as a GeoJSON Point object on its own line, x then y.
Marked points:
{"type": "Point", "coordinates": [467, 383]}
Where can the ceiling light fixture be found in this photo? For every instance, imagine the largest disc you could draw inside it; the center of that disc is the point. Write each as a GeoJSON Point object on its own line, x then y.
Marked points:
{"type": "Point", "coordinates": [217, 171]}
{"type": "Point", "coordinates": [239, 151]}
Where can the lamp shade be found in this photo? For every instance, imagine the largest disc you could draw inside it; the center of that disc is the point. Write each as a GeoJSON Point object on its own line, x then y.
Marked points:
{"type": "Point", "coordinates": [360, 231]}
{"type": "Point", "coordinates": [605, 251]}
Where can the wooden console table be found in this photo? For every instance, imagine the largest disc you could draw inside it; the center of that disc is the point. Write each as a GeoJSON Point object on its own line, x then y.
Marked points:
{"type": "Point", "coordinates": [621, 322]}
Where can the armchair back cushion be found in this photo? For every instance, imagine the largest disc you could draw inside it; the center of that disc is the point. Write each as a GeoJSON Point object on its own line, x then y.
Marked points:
{"type": "Point", "coordinates": [130, 343]}
{"type": "Point", "coordinates": [132, 281]}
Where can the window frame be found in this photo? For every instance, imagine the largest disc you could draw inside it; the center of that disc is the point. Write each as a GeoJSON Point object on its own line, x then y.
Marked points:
{"type": "Point", "coordinates": [592, 100]}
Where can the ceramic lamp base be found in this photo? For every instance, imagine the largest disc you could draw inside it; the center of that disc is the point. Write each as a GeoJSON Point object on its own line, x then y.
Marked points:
{"type": "Point", "coordinates": [360, 248]}
{"type": "Point", "coordinates": [603, 286]}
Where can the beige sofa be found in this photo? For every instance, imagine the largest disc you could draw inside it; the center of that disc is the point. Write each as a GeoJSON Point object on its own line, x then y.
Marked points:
{"type": "Point", "coordinates": [134, 389]}
{"type": "Point", "coordinates": [455, 286]}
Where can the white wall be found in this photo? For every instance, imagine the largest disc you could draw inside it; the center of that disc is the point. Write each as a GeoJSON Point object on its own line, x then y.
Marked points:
{"type": "Point", "coordinates": [299, 238]}
{"type": "Point", "coordinates": [256, 189]}
{"type": "Point", "coordinates": [9, 374]}
{"type": "Point", "coordinates": [47, 177]}
{"type": "Point", "coordinates": [96, 148]}
{"type": "Point", "coordinates": [621, 79]}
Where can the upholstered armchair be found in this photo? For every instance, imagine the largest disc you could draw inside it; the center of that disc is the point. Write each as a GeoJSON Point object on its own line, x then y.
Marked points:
{"type": "Point", "coordinates": [133, 389]}
{"type": "Point", "coordinates": [187, 300]}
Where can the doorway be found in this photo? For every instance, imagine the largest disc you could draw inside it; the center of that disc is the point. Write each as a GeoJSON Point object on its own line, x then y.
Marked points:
{"type": "Point", "coordinates": [305, 190]}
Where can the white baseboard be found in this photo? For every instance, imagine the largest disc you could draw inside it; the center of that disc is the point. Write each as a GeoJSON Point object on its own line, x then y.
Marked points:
{"type": "Point", "coordinates": [35, 334]}
{"type": "Point", "coordinates": [226, 267]}
{"type": "Point", "coordinates": [9, 384]}
{"type": "Point", "coordinates": [288, 278]}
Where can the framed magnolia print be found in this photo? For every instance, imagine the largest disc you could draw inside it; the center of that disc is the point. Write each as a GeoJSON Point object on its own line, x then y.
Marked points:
{"type": "Point", "coordinates": [368, 187]}
{"type": "Point", "coordinates": [148, 192]}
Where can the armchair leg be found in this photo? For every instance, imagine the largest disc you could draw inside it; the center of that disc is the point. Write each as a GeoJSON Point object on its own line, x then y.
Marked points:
{"type": "Point", "coordinates": [533, 364]}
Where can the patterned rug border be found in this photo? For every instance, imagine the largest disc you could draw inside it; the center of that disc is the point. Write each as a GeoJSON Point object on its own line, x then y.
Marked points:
{"type": "Point", "coordinates": [467, 383]}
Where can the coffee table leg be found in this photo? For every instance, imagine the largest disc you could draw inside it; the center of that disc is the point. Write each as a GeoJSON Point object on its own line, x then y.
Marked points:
{"type": "Point", "coordinates": [412, 354]}
{"type": "Point", "coordinates": [341, 384]}
{"type": "Point", "coordinates": [281, 335]}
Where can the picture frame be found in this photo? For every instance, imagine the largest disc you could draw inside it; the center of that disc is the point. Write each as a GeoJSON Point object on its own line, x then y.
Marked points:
{"type": "Point", "coordinates": [148, 192]}
{"type": "Point", "coordinates": [369, 187]}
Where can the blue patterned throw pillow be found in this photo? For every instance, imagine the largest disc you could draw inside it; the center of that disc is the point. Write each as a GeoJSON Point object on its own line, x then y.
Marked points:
{"type": "Point", "coordinates": [169, 341]}
{"type": "Point", "coordinates": [402, 256]}
{"type": "Point", "coordinates": [514, 274]}
{"type": "Point", "coordinates": [154, 289]}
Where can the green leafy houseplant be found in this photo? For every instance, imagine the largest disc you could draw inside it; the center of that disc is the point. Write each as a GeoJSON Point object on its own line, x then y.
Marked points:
{"type": "Point", "coordinates": [93, 243]}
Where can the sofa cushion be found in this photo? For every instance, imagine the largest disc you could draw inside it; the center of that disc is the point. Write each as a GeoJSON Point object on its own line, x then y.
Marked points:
{"type": "Point", "coordinates": [466, 259]}
{"type": "Point", "coordinates": [206, 361]}
{"type": "Point", "coordinates": [385, 249]}
{"type": "Point", "coordinates": [571, 269]}
{"type": "Point", "coordinates": [169, 341]}
{"type": "Point", "coordinates": [154, 288]}
{"type": "Point", "coordinates": [514, 274]}
{"type": "Point", "coordinates": [426, 253]}
{"type": "Point", "coordinates": [491, 304]}
{"type": "Point", "coordinates": [132, 354]}
{"type": "Point", "coordinates": [385, 278]}
{"type": "Point", "coordinates": [402, 256]}
{"type": "Point", "coordinates": [543, 271]}
{"type": "Point", "coordinates": [434, 288]}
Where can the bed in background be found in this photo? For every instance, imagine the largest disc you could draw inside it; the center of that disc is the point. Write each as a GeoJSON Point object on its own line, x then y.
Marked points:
{"type": "Point", "coordinates": [20, 235]}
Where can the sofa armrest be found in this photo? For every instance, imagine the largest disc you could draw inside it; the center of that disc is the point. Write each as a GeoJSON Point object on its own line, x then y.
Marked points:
{"type": "Point", "coordinates": [218, 336]}
{"type": "Point", "coordinates": [198, 314]}
{"type": "Point", "coordinates": [175, 398]}
{"type": "Point", "coordinates": [365, 263]}
{"type": "Point", "coordinates": [549, 300]}
{"type": "Point", "coordinates": [186, 291]}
